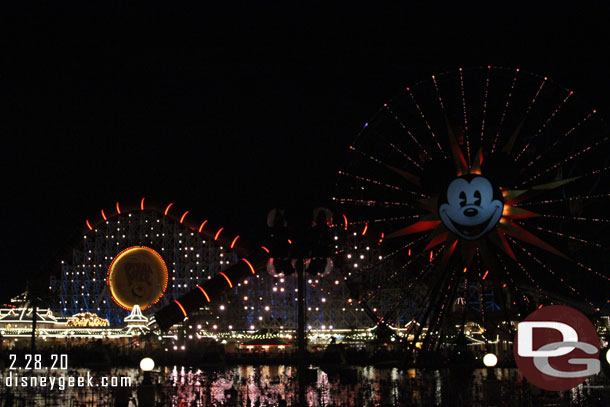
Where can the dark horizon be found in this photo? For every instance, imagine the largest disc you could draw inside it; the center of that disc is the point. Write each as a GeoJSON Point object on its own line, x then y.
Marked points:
{"type": "Point", "coordinates": [230, 115]}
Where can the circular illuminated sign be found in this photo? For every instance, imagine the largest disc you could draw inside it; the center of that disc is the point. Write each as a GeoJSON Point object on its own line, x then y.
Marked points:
{"type": "Point", "coordinates": [470, 206]}
{"type": "Point", "coordinates": [137, 275]}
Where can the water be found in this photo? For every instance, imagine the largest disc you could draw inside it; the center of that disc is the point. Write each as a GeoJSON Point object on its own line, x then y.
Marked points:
{"type": "Point", "coordinates": [276, 385]}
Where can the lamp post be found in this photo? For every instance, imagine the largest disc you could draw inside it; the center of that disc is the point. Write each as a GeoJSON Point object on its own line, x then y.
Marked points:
{"type": "Point", "coordinates": [491, 385]}
{"type": "Point", "coordinates": [146, 390]}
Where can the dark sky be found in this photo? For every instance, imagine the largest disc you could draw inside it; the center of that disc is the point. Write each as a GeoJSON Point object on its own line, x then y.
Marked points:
{"type": "Point", "coordinates": [229, 110]}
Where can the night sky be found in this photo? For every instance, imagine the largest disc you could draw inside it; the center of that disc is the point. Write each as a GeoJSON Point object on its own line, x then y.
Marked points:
{"type": "Point", "coordinates": [230, 111]}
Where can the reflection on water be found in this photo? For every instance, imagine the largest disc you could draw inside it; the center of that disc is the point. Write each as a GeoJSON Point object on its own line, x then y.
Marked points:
{"type": "Point", "coordinates": [277, 386]}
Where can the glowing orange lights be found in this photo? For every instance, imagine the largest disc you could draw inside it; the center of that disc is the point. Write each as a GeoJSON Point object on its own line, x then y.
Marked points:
{"type": "Point", "coordinates": [142, 204]}
{"type": "Point", "coordinates": [289, 241]}
{"type": "Point", "coordinates": [202, 225]}
{"type": "Point", "coordinates": [167, 209]}
{"type": "Point", "coordinates": [345, 220]}
{"type": "Point", "coordinates": [181, 308]}
{"type": "Point", "coordinates": [234, 240]}
{"type": "Point", "coordinates": [89, 225]}
{"type": "Point", "coordinates": [431, 256]}
{"type": "Point", "coordinates": [465, 269]}
{"type": "Point", "coordinates": [218, 233]}
{"type": "Point", "coordinates": [118, 208]}
{"type": "Point", "coordinates": [366, 227]}
{"type": "Point", "coordinates": [381, 240]}
{"type": "Point", "coordinates": [226, 278]}
{"type": "Point", "coordinates": [485, 275]}
{"type": "Point", "coordinates": [183, 216]}
{"type": "Point", "coordinates": [104, 215]}
{"type": "Point", "coordinates": [249, 265]}
{"type": "Point", "coordinates": [207, 297]}
{"type": "Point", "coordinates": [265, 249]}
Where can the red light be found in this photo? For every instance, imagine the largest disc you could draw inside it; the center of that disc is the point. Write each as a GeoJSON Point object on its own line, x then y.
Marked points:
{"type": "Point", "coordinates": [207, 297]}
{"type": "Point", "coordinates": [234, 240]}
{"type": "Point", "coordinates": [265, 249]}
{"type": "Point", "coordinates": [167, 209]}
{"type": "Point", "coordinates": [226, 278]}
{"type": "Point", "coordinates": [218, 233]}
{"type": "Point", "coordinates": [89, 225]}
{"type": "Point", "coordinates": [183, 216]}
{"type": "Point", "coordinates": [366, 226]}
{"type": "Point", "coordinates": [118, 209]}
{"type": "Point", "coordinates": [431, 256]}
{"type": "Point", "coordinates": [289, 241]}
{"type": "Point", "coordinates": [142, 204]}
{"type": "Point", "coordinates": [485, 275]}
{"type": "Point", "coordinates": [381, 240]}
{"type": "Point", "coordinates": [104, 215]}
{"type": "Point", "coordinates": [465, 269]}
{"type": "Point", "coordinates": [202, 225]}
{"type": "Point", "coordinates": [181, 308]}
{"type": "Point", "coordinates": [249, 265]}
{"type": "Point", "coordinates": [540, 306]}
{"type": "Point", "coordinates": [345, 220]}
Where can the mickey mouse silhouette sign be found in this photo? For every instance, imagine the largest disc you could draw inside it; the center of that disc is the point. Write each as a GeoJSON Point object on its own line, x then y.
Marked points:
{"type": "Point", "coordinates": [471, 206]}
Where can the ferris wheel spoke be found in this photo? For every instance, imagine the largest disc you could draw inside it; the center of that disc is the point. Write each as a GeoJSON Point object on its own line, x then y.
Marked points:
{"type": "Point", "coordinates": [423, 117]}
{"type": "Point", "coordinates": [381, 184]}
{"type": "Point", "coordinates": [503, 115]}
{"type": "Point", "coordinates": [579, 154]}
{"type": "Point", "coordinates": [371, 203]}
{"type": "Point", "coordinates": [562, 139]}
{"type": "Point", "coordinates": [465, 115]}
{"type": "Point", "coordinates": [554, 274]}
{"type": "Point", "coordinates": [568, 236]}
{"type": "Point", "coordinates": [406, 129]}
{"type": "Point", "coordinates": [564, 200]}
{"type": "Point", "coordinates": [484, 110]}
{"type": "Point", "coordinates": [544, 125]}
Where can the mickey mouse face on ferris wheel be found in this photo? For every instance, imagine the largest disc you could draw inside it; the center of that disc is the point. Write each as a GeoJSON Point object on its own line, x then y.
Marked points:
{"type": "Point", "coordinates": [471, 208]}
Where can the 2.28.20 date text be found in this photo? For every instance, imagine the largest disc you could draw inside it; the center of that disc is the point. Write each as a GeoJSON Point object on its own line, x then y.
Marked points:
{"type": "Point", "coordinates": [35, 362]}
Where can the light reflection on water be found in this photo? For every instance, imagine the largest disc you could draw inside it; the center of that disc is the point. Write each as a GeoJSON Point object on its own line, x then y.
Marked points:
{"type": "Point", "coordinates": [360, 386]}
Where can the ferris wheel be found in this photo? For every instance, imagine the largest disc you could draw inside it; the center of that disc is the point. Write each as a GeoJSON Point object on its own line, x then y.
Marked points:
{"type": "Point", "coordinates": [475, 196]}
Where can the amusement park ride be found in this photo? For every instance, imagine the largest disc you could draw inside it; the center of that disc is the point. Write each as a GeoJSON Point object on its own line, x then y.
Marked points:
{"type": "Point", "coordinates": [469, 200]}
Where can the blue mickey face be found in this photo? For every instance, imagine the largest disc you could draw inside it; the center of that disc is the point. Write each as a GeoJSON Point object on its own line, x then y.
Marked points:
{"type": "Point", "coordinates": [471, 210]}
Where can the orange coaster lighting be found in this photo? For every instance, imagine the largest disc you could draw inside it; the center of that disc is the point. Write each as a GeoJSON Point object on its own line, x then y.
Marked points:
{"type": "Point", "coordinates": [207, 297]}
{"type": "Point", "coordinates": [89, 225]}
{"type": "Point", "coordinates": [118, 209]}
{"type": "Point", "coordinates": [167, 209]}
{"type": "Point", "coordinates": [265, 249]}
{"type": "Point", "coordinates": [366, 226]}
{"type": "Point", "coordinates": [226, 278]}
{"type": "Point", "coordinates": [249, 265]}
{"type": "Point", "coordinates": [181, 308]}
{"type": "Point", "coordinates": [183, 216]}
{"type": "Point", "coordinates": [202, 225]}
{"type": "Point", "coordinates": [142, 204]}
{"type": "Point", "coordinates": [234, 240]}
{"type": "Point", "coordinates": [104, 215]}
{"type": "Point", "coordinates": [218, 233]}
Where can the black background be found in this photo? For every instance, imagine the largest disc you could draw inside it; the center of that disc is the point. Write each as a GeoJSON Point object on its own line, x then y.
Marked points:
{"type": "Point", "coordinates": [231, 109]}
